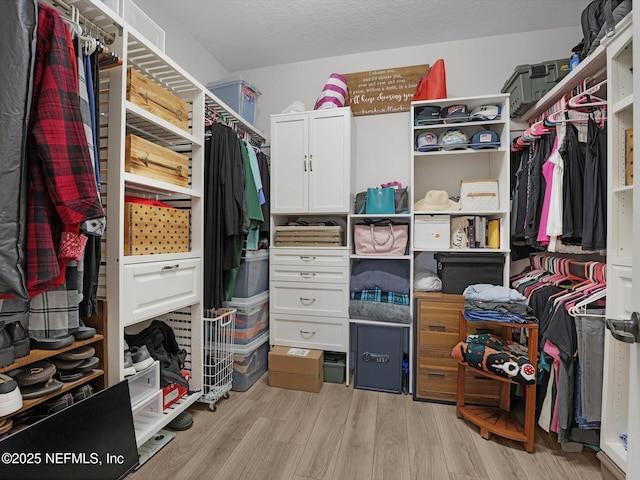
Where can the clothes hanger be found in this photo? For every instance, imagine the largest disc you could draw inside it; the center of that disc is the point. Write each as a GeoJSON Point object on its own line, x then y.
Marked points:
{"type": "Point", "coordinates": [74, 27]}
{"type": "Point", "coordinates": [586, 97]}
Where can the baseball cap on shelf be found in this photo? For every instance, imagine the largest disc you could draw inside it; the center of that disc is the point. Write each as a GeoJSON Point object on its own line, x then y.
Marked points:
{"type": "Point", "coordinates": [455, 114]}
{"type": "Point", "coordinates": [427, 115]}
{"type": "Point", "coordinates": [486, 112]}
{"type": "Point", "coordinates": [427, 142]}
{"type": "Point", "coordinates": [452, 139]}
{"type": "Point", "coordinates": [484, 139]}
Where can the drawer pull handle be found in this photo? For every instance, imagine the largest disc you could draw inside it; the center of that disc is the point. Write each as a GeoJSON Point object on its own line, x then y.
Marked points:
{"type": "Point", "coordinates": [170, 267]}
{"type": "Point", "coordinates": [146, 160]}
{"type": "Point", "coordinates": [307, 274]}
{"type": "Point", "coordinates": [307, 301]}
{"type": "Point", "coordinates": [306, 334]}
{"type": "Point", "coordinates": [478, 377]}
{"type": "Point", "coordinates": [437, 328]}
{"type": "Point", "coordinates": [307, 258]}
{"type": "Point", "coordinates": [435, 374]}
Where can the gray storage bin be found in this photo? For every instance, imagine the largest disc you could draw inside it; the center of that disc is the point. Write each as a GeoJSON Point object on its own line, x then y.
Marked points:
{"type": "Point", "coordinates": [459, 270]}
{"type": "Point", "coordinates": [378, 358]}
{"type": "Point", "coordinates": [253, 275]}
{"type": "Point", "coordinates": [529, 83]}
{"type": "Point", "coordinates": [334, 367]}
{"type": "Point", "coordinates": [249, 363]}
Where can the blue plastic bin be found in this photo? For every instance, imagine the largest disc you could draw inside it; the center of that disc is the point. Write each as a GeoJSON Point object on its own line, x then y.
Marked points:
{"type": "Point", "coordinates": [239, 94]}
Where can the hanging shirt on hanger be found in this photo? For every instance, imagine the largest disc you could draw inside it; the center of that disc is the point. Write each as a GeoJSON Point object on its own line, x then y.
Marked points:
{"type": "Point", "coordinates": [62, 188]}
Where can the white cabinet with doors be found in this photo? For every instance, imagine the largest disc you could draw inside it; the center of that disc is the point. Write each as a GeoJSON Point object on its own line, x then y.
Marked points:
{"type": "Point", "coordinates": [312, 161]}
{"type": "Point", "coordinates": [312, 175]}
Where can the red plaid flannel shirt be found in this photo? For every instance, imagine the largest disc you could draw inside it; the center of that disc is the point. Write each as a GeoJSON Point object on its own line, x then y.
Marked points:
{"type": "Point", "coordinates": [62, 185]}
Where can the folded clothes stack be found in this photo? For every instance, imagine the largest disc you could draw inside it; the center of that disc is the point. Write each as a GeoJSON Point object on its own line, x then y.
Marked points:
{"type": "Point", "coordinates": [379, 290]}
{"type": "Point", "coordinates": [492, 303]}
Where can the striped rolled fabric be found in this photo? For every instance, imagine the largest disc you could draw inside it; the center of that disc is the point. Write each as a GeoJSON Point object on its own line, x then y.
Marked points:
{"type": "Point", "coordinates": [334, 93]}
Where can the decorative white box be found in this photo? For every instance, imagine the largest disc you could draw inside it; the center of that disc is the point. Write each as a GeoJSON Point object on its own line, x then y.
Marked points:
{"type": "Point", "coordinates": [432, 231]}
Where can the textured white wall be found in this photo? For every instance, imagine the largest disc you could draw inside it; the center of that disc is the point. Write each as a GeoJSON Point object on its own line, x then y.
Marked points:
{"type": "Point", "coordinates": [182, 47]}
{"type": "Point", "coordinates": [474, 67]}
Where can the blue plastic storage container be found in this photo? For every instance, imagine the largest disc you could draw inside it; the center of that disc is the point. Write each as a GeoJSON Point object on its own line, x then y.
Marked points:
{"type": "Point", "coordinates": [238, 94]}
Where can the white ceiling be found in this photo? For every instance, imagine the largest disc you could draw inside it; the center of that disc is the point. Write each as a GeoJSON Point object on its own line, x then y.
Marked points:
{"type": "Point", "coordinates": [245, 34]}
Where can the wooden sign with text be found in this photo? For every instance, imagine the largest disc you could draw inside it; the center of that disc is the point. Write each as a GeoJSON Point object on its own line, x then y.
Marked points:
{"type": "Point", "coordinates": [383, 91]}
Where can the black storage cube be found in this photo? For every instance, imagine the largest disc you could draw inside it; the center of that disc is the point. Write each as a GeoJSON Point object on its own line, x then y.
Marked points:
{"type": "Point", "coordinates": [459, 270]}
{"type": "Point", "coordinates": [378, 362]}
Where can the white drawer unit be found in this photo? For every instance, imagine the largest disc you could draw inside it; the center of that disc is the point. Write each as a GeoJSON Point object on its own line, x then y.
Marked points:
{"type": "Point", "coordinates": [309, 299]}
{"type": "Point", "coordinates": [308, 257]}
{"type": "Point", "coordinates": [146, 415]}
{"type": "Point", "coordinates": [309, 332]}
{"type": "Point", "coordinates": [144, 384]}
{"type": "Point", "coordinates": [159, 287]}
{"type": "Point", "coordinates": [311, 274]}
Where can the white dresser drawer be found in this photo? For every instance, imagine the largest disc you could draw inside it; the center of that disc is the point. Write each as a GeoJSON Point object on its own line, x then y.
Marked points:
{"type": "Point", "coordinates": [309, 299]}
{"type": "Point", "coordinates": [309, 332]}
{"type": "Point", "coordinates": [309, 257]}
{"type": "Point", "coordinates": [312, 274]}
{"type": "Point", "coordinates": [154, 288]}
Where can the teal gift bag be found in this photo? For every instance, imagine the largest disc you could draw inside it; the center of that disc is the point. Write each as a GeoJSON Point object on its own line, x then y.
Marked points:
{"type": "Point", "coordinates": [381, 201]}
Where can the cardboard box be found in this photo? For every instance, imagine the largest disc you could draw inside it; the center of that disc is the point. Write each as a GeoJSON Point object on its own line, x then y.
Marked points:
{"type": "Point", "coordinates": [296, 368]}
{"type": "Point", "coordinates": [173, 392]}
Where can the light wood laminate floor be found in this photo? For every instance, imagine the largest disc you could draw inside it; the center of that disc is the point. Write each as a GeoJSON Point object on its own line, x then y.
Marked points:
{"type": "Point", "coordinates": [350, 434]}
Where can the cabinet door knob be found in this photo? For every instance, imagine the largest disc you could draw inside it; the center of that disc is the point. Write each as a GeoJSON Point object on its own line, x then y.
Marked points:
{"type": "Point", "coordinates": [306, 334]}
{"type": "Point", "coordinates": [307, 301]}
{"type": "Point", "coordinates": [307, 274]}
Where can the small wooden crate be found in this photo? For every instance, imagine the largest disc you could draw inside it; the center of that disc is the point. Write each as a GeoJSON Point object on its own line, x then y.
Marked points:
{"type": "Point", "coordinates": [155, 99]}
{"type": "Point", "coordinates": [145, 158]}
{"type": "Point", "coordinates": [152, 230]}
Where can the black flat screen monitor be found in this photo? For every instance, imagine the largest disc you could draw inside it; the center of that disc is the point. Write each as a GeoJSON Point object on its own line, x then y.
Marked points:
{"type": "Point", "coordinates": [91, 439]}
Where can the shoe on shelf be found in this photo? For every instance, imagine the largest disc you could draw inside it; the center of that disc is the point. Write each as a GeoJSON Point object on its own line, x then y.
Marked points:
{"type": "Point", "coordinates": [57, 404]}
{"type": "Point", "coordinates": [141, 358]}
{"type": "Point", "coordinates": [7, 350]}
{"type": "Point", "coordinates": [10, 396]}
{"type": "Point", "coordinates": [183, 421]}
{"type": "Point", "coordinates": [129, 369]}
{"type": "Point", "coordinates": [53, 343]}
{"type": "Point", "coordinates": [19, 338]}
{"type": "Point", "coordinates": [85, 391]}
{"type": "Point", "coordinates": [83, 332]}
